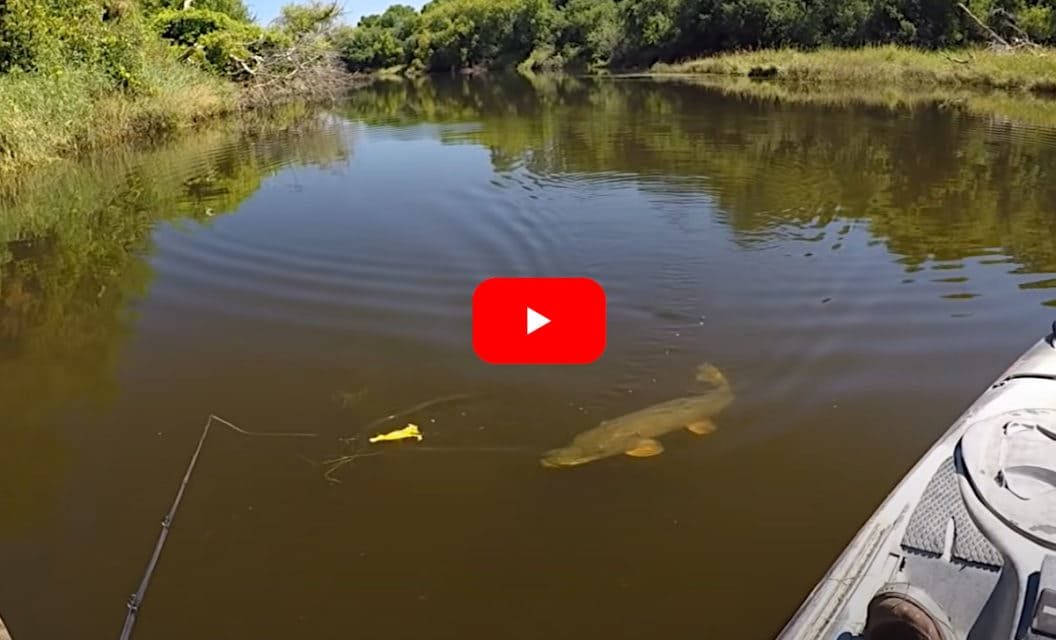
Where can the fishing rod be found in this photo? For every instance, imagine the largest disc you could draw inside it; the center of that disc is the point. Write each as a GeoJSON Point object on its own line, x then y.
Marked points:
{"type": "Point", "coordinates": [135, 601]}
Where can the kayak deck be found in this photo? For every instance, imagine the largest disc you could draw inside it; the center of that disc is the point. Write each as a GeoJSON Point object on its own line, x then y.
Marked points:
{"type": "Point", "coordinates": [928, 527]}
{"type": "Point", "coordinates": [946, 554]}
{"type": "Point", "coordinates": [945, 536]}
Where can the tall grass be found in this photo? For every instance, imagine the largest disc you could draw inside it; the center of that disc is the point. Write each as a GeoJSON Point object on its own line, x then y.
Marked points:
{"type": "Point", "coordinates": [1030, 70]}
{"type": "Point", "coordinates": [46, 115]}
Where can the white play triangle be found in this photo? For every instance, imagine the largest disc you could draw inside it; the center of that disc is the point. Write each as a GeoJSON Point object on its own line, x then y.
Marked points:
{"type": "Point", "coordinates": [535, 321]}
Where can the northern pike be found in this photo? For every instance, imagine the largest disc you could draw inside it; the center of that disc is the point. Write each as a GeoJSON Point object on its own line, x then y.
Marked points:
{"type": "Point", "coordinates": [635, 434]}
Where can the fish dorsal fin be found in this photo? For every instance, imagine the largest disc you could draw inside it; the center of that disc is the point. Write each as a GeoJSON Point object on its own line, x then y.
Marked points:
{"type": "Point", "coordinates": [645, 448]}
{"type": "Point", "coordinates": [709, 373]}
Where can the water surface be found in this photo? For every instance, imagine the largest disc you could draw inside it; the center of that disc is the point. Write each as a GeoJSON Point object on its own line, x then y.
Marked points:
{"type": "Point", "coordinates": [860, 274]}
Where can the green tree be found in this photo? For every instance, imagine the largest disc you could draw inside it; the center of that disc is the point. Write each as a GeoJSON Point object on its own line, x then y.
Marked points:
{"type": "Point", "coordinates": [588, 30]}
{"type": "Point", "coordinates": [467, 33]}
{"type": "Point", "coordinates": [215, 40]}
{"type": "Point", "coordinates": [367, 48]}
{"type": "Point", "coordinates": [235, 9]}
{"type": "Point", "coordinates": [314, 19]}
{"type": "Point", "coordinates": [1039, 22]}
{"type": "Point", "coordinates": [650, 29]}
{"type": "Point", "coordinates": [45, 35]}
{"type": "Point", "coordinates": [379, 41]}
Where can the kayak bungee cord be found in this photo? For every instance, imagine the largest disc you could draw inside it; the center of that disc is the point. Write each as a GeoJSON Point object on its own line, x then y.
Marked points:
{"type": "Point", "coordinates": [136, 600]}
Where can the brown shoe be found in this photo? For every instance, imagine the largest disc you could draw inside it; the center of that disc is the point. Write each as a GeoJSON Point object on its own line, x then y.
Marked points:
{"type": "Point", "coordinates": [895, 614]}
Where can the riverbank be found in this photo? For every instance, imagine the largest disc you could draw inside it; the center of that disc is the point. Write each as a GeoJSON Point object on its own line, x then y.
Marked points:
{"type": "Point", "coordinates": [45, 116]}
{"type": "Point", "coordinates": [92, 73]}
{"type": "Point", "coordinates": [1031, 70]}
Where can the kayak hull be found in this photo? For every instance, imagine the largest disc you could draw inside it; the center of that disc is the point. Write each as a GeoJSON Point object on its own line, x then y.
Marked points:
{"type": "Point", "coordinates": [885, 552]}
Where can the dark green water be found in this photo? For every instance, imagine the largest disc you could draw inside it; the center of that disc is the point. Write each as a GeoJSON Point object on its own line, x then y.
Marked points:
{"type": "Point", "coordinates": [859, 275]}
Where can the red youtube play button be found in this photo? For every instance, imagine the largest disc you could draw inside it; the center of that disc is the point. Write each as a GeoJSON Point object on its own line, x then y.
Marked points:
{"type": "Point", "coordinates": [539, 321]}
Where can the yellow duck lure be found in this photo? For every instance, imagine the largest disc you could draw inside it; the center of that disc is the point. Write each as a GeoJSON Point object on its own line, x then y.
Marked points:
{"type": "Point", "coordinates": [410, 432]}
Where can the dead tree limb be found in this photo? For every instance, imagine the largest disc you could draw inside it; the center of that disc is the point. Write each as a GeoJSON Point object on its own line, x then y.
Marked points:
{"type": "Point", "coordinates": [982, 25]}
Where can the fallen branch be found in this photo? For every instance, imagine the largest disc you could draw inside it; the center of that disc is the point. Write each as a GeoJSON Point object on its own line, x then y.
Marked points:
{"type": "Point", "coordinates": [245, 67]}
{"type": "Point", "coordinates": [1021, 38]}
{"type": "Point", "coordinates": [993, 34]}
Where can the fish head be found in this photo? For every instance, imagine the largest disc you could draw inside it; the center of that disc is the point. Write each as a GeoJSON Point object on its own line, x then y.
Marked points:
{"type": "Point", "coordinates": [568, 457]}
{"type": "Point", "coordinates": [581, 451]}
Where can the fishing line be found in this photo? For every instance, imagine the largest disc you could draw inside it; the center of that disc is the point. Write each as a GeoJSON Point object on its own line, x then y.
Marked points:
{"type": "Point", "coordinates": [136, 600]}
{"type": "Point", "coordinates": [334, 464]}
{"type": "Point", "coordinates": [482, 449]}
{"type": "Point", "coordinates": [418, 407]}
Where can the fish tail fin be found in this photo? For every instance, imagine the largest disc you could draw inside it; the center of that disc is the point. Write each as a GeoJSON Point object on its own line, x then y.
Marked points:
{"type": "Point", "coordinates": [709, 373]}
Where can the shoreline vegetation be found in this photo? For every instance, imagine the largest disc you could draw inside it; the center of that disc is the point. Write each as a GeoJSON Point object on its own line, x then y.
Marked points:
{"type": "Point", "coordinates": [81, 74]}
{"type": "Point", "coordinates": [982, 54]}
{"type": "Point", "coordinates": [1011, 86]}
{"type": "Point", "coordinates": [1030, 69]}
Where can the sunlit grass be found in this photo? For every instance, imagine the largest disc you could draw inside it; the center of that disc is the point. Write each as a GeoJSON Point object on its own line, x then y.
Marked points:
{"type": "Point", "coordinates": [1033, 70]}
{"type": "Point", "coordinates": [45, 116]}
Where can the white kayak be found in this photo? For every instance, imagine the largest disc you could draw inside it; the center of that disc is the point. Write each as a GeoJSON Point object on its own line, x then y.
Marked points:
{"type": "Point", "coordinates": [968, 537]}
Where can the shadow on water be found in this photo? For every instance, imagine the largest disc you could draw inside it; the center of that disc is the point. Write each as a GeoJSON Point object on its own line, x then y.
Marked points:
{"type": "Point", "coordinates": [74, 242]}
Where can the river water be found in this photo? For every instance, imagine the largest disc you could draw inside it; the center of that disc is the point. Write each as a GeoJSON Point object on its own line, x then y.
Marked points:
{"type": "Point", "coordinates": [858, 273]}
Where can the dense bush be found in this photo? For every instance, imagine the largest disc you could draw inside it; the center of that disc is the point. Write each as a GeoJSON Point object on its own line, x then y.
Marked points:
{"type": "Point", "coordinates": [451, 34]}
{"type": "Point", "coordinates": [380, 40]}
{"type": "Point", "coordinates": [78, 73]}
{"type": "Point", "coordinates": [469, 33]}
{"type": "Point", "coordinates": [213, 39]}
{"type": "Point", "coordinates": [115, 36]}
{"type": "Point", "coordinates": [187, 27]}
{"type": "Point", "coordinates": [237, 49]}
{"type": "Point", "coordinates": [235, 9]}
{"type": "Point", "coordinates": [45, 36]}
{"type": "Point", "coordinates": [587, 31]}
